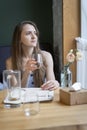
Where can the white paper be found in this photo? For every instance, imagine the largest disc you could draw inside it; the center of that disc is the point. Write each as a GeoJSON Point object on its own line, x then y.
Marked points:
{"type": "Point", "coordinates": [43, 95]}
{"type": "Point", "coordinates": [76, 86]}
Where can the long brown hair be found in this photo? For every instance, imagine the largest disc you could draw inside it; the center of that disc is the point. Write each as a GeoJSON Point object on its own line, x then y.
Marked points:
{"type": "Point", "coordinates": [18, 53]}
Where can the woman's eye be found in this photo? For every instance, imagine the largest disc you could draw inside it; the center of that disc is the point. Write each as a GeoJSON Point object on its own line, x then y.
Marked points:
{"type": "Point", "coordinates": [35, 33]}
{"type": "Point", "coordinates": [31, 33]}
{"type": "Point", "coordinates": [27, 33]}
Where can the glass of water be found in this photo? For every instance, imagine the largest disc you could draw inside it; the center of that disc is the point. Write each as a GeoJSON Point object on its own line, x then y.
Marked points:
{"type": "Point", "coordinates": [30, 103]}
{"type": "Point", "coordinates": [38, 58]}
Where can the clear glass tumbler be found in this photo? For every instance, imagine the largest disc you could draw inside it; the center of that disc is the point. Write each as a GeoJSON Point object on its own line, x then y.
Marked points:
{"type": "Point", "coordinates": [31, 104]}
{"type": "Point", "coordinates": [12, 83]}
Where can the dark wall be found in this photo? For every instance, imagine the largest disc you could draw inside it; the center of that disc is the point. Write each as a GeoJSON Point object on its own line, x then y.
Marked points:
{"type": "Point", "coordinates": [14, 11]}
{"type": "Point", "coordinates": [39, 11]}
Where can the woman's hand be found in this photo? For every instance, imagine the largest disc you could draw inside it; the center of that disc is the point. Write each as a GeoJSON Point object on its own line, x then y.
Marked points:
{"type": "Point", "coordinates": [50, 85]}
{"type": "Point", "coordinates": [30, 65]}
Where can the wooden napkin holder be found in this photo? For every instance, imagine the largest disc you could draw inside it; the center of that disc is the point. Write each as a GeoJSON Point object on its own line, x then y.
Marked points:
{"type": "Point", "coordinates": [73, 98]}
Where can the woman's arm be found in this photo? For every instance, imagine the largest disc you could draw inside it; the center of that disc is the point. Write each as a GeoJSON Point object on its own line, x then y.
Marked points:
{"type": "Point", "coordinates": [49, 66]}
{"type": "Point", "coordinates": [29, 65]}
{"type": "Point", "coordinates": [25, 73]}
{"type": "Point", "coordinates": [9, 64]}
{"type": "Point", "coordinates": [50, 77]}
{"type": "Point", "coordinates": [11, 77]}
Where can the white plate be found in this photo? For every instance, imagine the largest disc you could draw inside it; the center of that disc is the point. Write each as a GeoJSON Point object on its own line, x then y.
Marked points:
{"type": "Point", "coordinates": [43, 95]}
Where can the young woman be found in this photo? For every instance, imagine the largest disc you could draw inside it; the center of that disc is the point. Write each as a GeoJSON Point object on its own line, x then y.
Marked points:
{"type": "Point", "coordinates": [25, 43]}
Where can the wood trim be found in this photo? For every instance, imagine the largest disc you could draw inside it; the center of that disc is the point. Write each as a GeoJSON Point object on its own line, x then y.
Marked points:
{"type": "Point", "coordinates": [71, 28]}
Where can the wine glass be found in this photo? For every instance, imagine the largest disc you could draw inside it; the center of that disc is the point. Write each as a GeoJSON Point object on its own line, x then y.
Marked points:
{"type": "Point", "coordinates": [38, 58]}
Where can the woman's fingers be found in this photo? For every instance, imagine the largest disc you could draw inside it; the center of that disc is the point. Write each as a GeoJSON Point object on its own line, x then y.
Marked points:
{"type": "Point", "coordinates": [31, 65]}
{"type": "Point", "coordinates": [50, 85]}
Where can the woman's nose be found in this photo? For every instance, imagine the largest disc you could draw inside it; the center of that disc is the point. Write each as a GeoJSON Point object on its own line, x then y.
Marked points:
{"type": "Point", "coordinates": [33, 35]}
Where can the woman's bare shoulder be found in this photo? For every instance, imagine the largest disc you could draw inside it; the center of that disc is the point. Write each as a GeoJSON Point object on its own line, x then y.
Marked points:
{"type": "Point", "coordinates": [48, 57]}
{"type": "Point", "coordinates": [46, 53]}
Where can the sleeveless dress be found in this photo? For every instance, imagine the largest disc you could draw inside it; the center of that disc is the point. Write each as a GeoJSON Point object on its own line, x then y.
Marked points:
{"type": "Point", "coordinates": [30, 81]}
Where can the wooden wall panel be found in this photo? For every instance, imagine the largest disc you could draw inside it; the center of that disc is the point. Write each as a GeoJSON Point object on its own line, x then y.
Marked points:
{"type": "Point", "coordinates": [71, 28]}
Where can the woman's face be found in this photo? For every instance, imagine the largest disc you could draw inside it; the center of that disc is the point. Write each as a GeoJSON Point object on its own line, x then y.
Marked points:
{"type": "Point", "coordinates": [29, 36]}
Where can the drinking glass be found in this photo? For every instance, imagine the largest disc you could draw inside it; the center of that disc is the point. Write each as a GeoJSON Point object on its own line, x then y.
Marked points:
{"type": "Point", "coordinates": [30, 103]}
{"type": "Point", "coordinates": [12, 83]}
{"type": "Point", "coordinates": [38, 58]}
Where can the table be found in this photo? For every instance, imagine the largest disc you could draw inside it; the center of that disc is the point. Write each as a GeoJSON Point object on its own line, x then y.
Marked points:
{"type": "Point", "coordinates": [53, 115]}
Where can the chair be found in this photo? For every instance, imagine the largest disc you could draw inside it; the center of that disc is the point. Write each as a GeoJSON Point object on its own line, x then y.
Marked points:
{"type": "Point", "coordinates": [4, 54]}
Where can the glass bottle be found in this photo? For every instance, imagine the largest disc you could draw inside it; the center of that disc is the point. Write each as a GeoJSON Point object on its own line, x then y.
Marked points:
{"type": "Point", "coordinates": [69, 77]}
{"type": "Point", "coordinates": [66, 77]}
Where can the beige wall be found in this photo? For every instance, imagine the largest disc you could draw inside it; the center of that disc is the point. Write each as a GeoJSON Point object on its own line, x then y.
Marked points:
{"type": "Point", "coordinates": [71, 28]}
